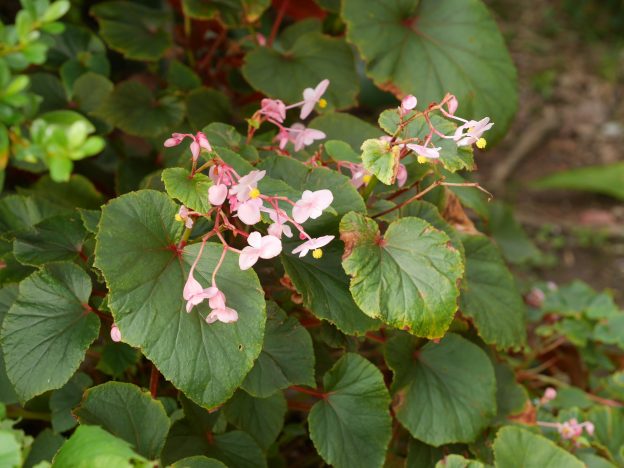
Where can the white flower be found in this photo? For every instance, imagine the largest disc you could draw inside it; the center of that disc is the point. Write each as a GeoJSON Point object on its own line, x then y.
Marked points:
{"type": "Point", "coordinates": [311, 205]}
{"type": "Point", "coordinates": [312, 244]}
{"type": "Point", "coordinates": [246, 184]}
{"type": "Point", "coordinates": [259, 247]}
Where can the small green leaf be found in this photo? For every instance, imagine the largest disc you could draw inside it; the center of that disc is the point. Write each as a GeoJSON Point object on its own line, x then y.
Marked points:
{"type": "Point", "coordinates": [65, 399]}
{"type": "Point", "coordinates": [55, 11]}
{"type": "Point", "coordinates": [128, 413]}
{"type": "Point", "coordinates": [191, 191]}
{"type": "Point", "coordinates": [47, 330]}
{"type": "Point", "coordinates": [198, 461]}
{"type": "Point", "coordinates": [116, 358]}
{"type": "Point", "coordinates": [457, 461]}
{"type": "Point", "coordinates": [10, 450]}
{"type": "Point", "coordinates": [380, 159]}
{"type": "Point", "coordinates": [607, 180]}
{"type": "Point", "coordinates": [351, 425]}
{"type": "Point", "coordinates": [609, 429]}
{"type": "Point", "coordinates": [44, 447]}
{"type": "Point", "coordinates": [90, 90]}
{"type": "Point", "coordinates": [182, 76]}
{"type": "Point", "coordinates": [204, 106]}
{"type": "Point", "coordinates": [515, 244]}
{"type": "Point", "coordinates": [511, 397]}
{"type": "Point", "coordinates": [443, 392]}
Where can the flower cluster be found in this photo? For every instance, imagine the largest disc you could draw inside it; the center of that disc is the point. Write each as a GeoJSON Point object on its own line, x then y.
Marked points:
{"type": "Point", "coordinates": [571, 429]}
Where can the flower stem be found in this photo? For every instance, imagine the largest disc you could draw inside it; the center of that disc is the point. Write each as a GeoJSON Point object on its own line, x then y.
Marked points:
{"type": "Point", "coordinates": [154, 377]}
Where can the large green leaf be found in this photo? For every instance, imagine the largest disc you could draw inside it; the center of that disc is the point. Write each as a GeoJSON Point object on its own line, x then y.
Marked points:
{"type": "Point", "coordinates": [489, 295]}
{"type": "Point", "coordinates": [145, 273]}
{"type": "Point", "coordinates": [609, 429]}
{"type": "Point", "coordinates": [608, 180]}
{"type": "Point", "coordinates": [232, 12]}
{"type": "Point", "coordinates": [443, 392]}
{"type": "Point", "coordinates": [429, 48]}
{"type": "Point", "coordinates": [287, 356]}
{"type": "Point", "coordinates": [204, 106]}
{"type": "Point", "coordinates": [47, 330]}
{"type": "Point", "coordinates": [128, 413]}
{"type": "Point", "coordinates": [133, 108]}
{"type": "Point", "coordinates": [8, 294]}
{"type": "Point", "coordinates": [516, 447]}
{"type": "Point", "coordinates": [345, 127]}
{"type": "Point", "coordinates": [408, 277]}
{"type": "Point", "coordinates": [65, 399]}
{"type": "Point", "coordinates": [262, 418]}
{"type": "Point", "coordinates": [138, 32]}
{"type": "Point", "coordinates": [191, 191]}
{"type": "Point", "coordinates": [351, 425]}
{"type": "Point", "coordinates": [45, 445]}
{"type": "Point", "coordinates": [92, 446]}
{"type": "Point", "coordinates": [19, 213]}
{"type": "Point", "coordinates": [312, 58]}
{"type": "Point", "coordinates": [77, 192]}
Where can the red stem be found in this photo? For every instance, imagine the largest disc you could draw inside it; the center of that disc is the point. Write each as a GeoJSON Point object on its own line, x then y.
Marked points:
{"type": "Point", "coordinates": [277, 22]}
{"type": "Point", "coordinates": [154, 377]}
{"type": "Point", "coordinates": [378, 339]}
{"type": "Point", "coordinates": [307, 391]}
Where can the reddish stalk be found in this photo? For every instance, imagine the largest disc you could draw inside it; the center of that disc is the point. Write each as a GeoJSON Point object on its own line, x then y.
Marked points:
{"type": "Point", "coordinates": [378, 339]}
{"type": "Point", "coordinates": [154, 378]}
{"type": "Point", "coordinates": [298, 406]}
{"type": "Point", "coordinates": [307, 391]}
{"type": "Point", "coordinates": [277, 22]}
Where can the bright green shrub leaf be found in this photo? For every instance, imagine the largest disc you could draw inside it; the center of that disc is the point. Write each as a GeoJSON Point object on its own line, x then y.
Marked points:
{"type": "Point", "coordinates": [515, 447]}
{"type": "Point", "coordinates": [609, 429]}
{"type": "Point", "coordinates": [380, 159]}
{"type": "Point", "coordinates": [128, 413]}
{"type": "Point", "coordinates": [287, 356]}
{"type": "Point", "coordinates": [443, 392]}
{"type": "Point", "coordinates": [231, 12]}
{"type": "Point", "coordinates": [135, 252]}
{"type": "Point", "coordinates": [408, 277]}
{"type": "Point", "coordinates": [204, 106]}
{"type": "Point", "coordinates": [53, 239]}
{"type": "Point", "coordinates": [452, 157]}
{"type": "Point", "coordinates": [77, 192]}
{"type": "Point", "coordinates": [312, 58]}
{"type": "Point", "coordinates": [457, 461]}
{"type": "Point", "coordinates": [192, 192]}
{"type": "Point", "coordinates": [138, 32]}
{"type": "Point", "coordinates": [428, 48]}
{"type": "Point", "coordinates": [8, 294]}
{"type": "Point", "coordinates": [262, 418]}
{"type": "Point", "coordinates": [10, 450]}
{"type": "Point", "coordinates": [65, 399]}
{"type": "Point", "coordinates": [345, 127]}
{"type": "Point", "coordinates": [44, 447]}
{"type": "Point", "coordinates": [47, 330]}
{"type": "Point", "coordinates": [489, 295]}
{"type": "Point", "coordinates": [92, 446]}
{"type": "Point", "coordinates": [133, 108]}
{"type": "Point", "coordinates": [351, 425]}
{"type": "Point", "coordinates": [198, 461]}
{"type": "Point", "coordinates": [607, 180]}
{"type": "Point", "coordinates": [611, 331]}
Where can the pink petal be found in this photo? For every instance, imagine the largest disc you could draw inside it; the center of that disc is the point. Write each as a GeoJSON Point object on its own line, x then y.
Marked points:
{"type": "Point", "coordinates": [217, 194]}
{"type": "Point", "coordinates": [271, 247]}
{"type": "Point", "coordinates": [191, 288]}
{"type": "Point", "coordinates": [203, 141]}
{"type": "Point", "coordinates": [401, 175]}
{"type": "Point", "coordinates": [255, 240]}
{"type": "Point", "coordinates": [409, 102]}
{"type": "Point", "coordinates": [217, 301]}
{"type": "Point", "coordinates": [249, 212]}
{"type": "Point", "coordinates": [115, 334]}
{"type": "Point", "coordinates": [452, 105]}
{"type": "Point", "coordinates": [195, 150]}
{"type": "Point", "coordinates": [247, 258]}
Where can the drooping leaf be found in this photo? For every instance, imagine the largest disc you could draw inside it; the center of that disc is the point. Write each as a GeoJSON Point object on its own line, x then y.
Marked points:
{"type": "Point", "coordinates": [443, 392]}
{"type": "Point", "coordinates": [428, 48]}
{"type": "Point", "coordinates": [607, 180]}
{"type": "Point", "coordinates": [407, 277]}
{"type": "Point", "coordinates": [287, 356]}
{"type": "Point", "coordinates": [128, 413]}
{"type": "Point", "coordinates": [47, 330]}
{"type": "Point", "coordinates": [192, 192]}
{"type": "Point", "coordinates": [65, 399]}
{"type": "Point", "coordinates": [515, 447]}
{"type": "Point", "coordinates": [145, 274]}
{"type": "Point", "coordinates": [489, 295]}
{"type": "Point", "coordinates": [351, 425]}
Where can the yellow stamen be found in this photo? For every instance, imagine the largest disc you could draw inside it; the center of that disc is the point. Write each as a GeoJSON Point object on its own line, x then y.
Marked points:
{"type": "Point", "coordinates": [178, 218]}
{"type": "Point", "coordinates": [422, 160]}
{"type": "Point", "coordinates": [481, 143]}
{"type": "Point", "coordinates": [254, 193]}
{"type": "Point", "coordinates": [367, 178]}
{"type": "Point", "coordinates": [322, 103]}
{"type": "Point", "coordinates": [317, 253]}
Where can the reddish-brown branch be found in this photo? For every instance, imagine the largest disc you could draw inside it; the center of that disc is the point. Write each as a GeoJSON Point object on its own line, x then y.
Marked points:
{"type": "Point", "coordinates": [378, 339]}
{"type": "Point", "coordinates": [298, 406]}
{"type": "Point", "coordinates": [307, 391]}
{"type": "Point", "coordinates": [277, 22]}
{"type": "Point", "coordinates": [154, 378]}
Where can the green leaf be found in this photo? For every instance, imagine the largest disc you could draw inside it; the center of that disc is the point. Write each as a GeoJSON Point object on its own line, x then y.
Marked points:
{"type": "Point", "coordinates": [65, 399]}
{"type": "Point", "coordinates": [138, 32]}
{"type": "Point", "coordinates": [10, 450]}
{"type": "Point", "coordinates": [607, 180]}
{"type": "Point", "coordinates": [133, 108]}
{"type": "Point", "coordinates": [145, 274]}
{"type": "Point", "coordinates": [44, 447]}
{"type": "Point", "coordinates": [262, 418]}
{"type": "Point", "coordinates": [182, 76]}
{"type": "Point", "coordinates": [92, 446]}
{"type": "Point", "coordinates": [312, 58]}
{"type": "Point", "coordinates": [511, 397]}
{"type": "Point", "coordinates": [8, 294]}
{"type": "Point", "coordinates": [515, 244]}
{"type": "Point", "coordinates": [47, 330]}
{"type": "Point", "coordinates": [489, 295]}
{"type": "Point", "coordinates": [128, 413]}
{"type": "Point", "coordinates": [191, 191]}
{"type": "Point", "coordinates": [351, 425]}
{"type": "Point", "coordinates": [77, 192]}
{"type": "Point", "coordinates": [19, 213]}
{"type": "Point", "coordinates": [457, 461]}
{"type": "Point", "coordinates": [204, 106]}
{"type": "Point", "coordinates": [116, 358]}
{"type": "Point", "coordinates": [53, 239]}
{"type": "Point", "coordinates": [287, 356]}
{"type": "Point", "coordinates": [55, 11]}
{"type": "Point", "coordinates": [234, 13]}
{"type": "Point", "coordinates": [90, 90]}
{"type": "Point", "coordinates": [428, 48]}
{"type": "Point", "coordinates": [381, 160]}
{"type": "Point", "coordinates": [345, 127]}
{"type": "Point", "coordinates": [609, 429]}
{"type": "Point", "coordinates": [408, 277]}
{"type": "Point", "coordinates": [198, 461]}
{"type": "Point", "coordinates": [90, 219]}
{"type": "Point", "coordinates": [515, 447]}
{"type": "Point", "coordinates": [443, 392]}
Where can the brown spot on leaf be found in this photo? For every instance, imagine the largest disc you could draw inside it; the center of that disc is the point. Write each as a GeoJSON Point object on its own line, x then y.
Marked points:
{"type": "Point", "coordinates": [455, 215]}
{"type": "Point", "coordinates": [391, 88]}
{"type": "Point", "coordinates": [350, 239]}
{"type": "Point", "coordinates": [398, 400]}
{"type": "Point", "coordinates": [528, 415]}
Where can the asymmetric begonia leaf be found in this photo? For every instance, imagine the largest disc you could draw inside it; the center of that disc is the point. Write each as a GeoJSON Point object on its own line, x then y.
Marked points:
{"type": "Point", "coordinates": [351, 425]}
{"type": "Point", "coordinates": [489, 295]}
{"type": "Point", "coordinates": [443, 392]}
{"type": "Point", "coordinates": [128, 413]}
{"type": "Point", "coordinates": [48, 329]}
{"type": "Point", "coordinates": [192, 192]}
{"type": "Point", "coordinates": [381, 159]}
{"type": "Point", "coordinates": [428, 48]}
{"type": "Point", "coordinates": [204, 106]}
{"type": "Point", "coordinates": [287, 356]}
{"type": "Point", "coordinates": [136, 251]}
{"type": "Point", "coordinates": [407, 277]}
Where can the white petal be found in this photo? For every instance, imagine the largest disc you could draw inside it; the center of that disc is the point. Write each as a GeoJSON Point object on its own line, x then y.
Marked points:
{"type": "Point", "coordinates": [247, 258]}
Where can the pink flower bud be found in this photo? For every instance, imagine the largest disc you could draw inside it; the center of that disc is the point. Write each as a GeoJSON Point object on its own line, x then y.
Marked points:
{"type": "Point", "coordinates": [115, 334]}
{"type": "Point", "coordinates": [549, 395]}
{"type": "Point", "coordinates": [452, 105]}
{"type": "Point", "coordinates": [409, 102]}
{"type": "Point", "coordinates": [217, 194]}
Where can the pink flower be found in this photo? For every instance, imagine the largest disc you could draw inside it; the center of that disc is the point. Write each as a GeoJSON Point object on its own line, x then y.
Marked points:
{"type": "Point", "coordinates": [259, 247]}
{"type": "Point", "coordinates": [261, 39]}
{"type": "Point", "coordinates": [312, 244]}
{"type": "Point", "coordinates": [115, 334]}
{"type": "Point", "coordinates": [425, 151]}
{"type": "Point", "coordinates": [311, 205]}
{"type": "Point", "coordinates": [471, 131]}
{"type": "Point", "coordinates": [549, 395]}
{"type": "Point", "coordinates": [408, 103]}
{"type": "Point", "coordinates": [401, 175]}
{"type": "Point", "coordinates": [249, 211]}
{"type": "Point", "coordinates": [359, 175]}
{"type": "Point", "coordinates": [283, 137]}
{"type": "Point", "coordinates": [452, 105]}
{"type": "Point", "coordinates": [224, 314]}
{"type": "Point", "coordinates": [217, 194]}
{"type": "Point", "coordinates": [273, 109]}
{"type": "Point", "coordinates": [589, 427]}
{"type": "Point", "coordinates": [311, 96]}
{"type": "Point", "coordinates": [218, 300]}
{"type": "Point", "coordinates": [278, 227]}
{"type": "Point", "coordinates": [246, 185]}
{"type": "Point", "coordinates": [183, 215]}
{"type": "Point", "coordinates": [199, 141]}
{"type": "Point", "coordinates": [193, 292]}
{"type": "Point", "coordinates": [302, 137]}
{"type": "Point", "coordinates": [176, 139]}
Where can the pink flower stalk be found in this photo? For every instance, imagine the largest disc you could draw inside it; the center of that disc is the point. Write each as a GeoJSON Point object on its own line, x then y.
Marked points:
{"type": "Point", "coordinates": [273, 109]}
{"type": "Point", "coordinates": [249, 211]}
{"type": "Point", "coordinates": [247, 185]}
{"type": "Point", "coordinates": [311, 205]}
{"type": "Point", "coordinates": [217, 194]}
{"type": "Point", "coordinates": [184, 215]}
{"type": "Point", "coordinates": [311, 96]}
{"type": "Point", "coordinates": [471, 131]}
{"type": "Point", "coordinates": [408, 103]}
{"type": "Point", "coordinates": [401, 175]}
{"type": "Point", "coordinates": [425, 151]}
{"type": "Point", "coordinates": [549, 395]}
{"type": "Point", "coordinates": [259, 247]}
{"type": "Point", "coordinates": [115, 334]}
{"type": "Point", "coordinates": [313, 244]}
{"type": "Point", "coordinates": [199, 141]}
